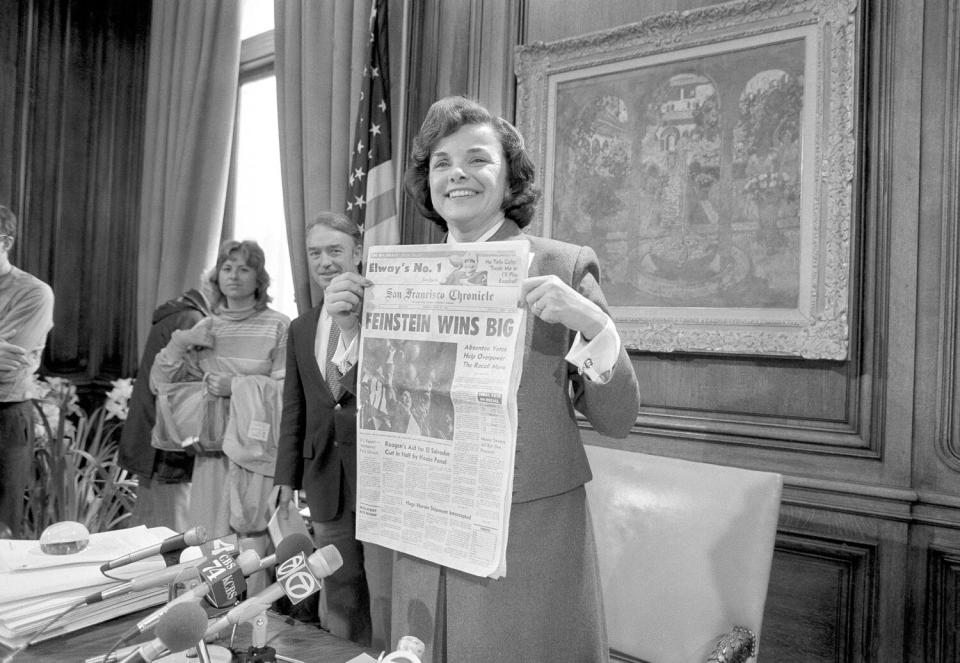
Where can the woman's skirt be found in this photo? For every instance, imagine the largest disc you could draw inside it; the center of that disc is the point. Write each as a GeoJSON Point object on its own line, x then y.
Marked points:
{"type": "Point", "coordinates": [548, 607]}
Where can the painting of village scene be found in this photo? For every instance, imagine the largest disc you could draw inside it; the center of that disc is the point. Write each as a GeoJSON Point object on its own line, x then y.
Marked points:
{"type": "Point", "coordinates": [685, 177]}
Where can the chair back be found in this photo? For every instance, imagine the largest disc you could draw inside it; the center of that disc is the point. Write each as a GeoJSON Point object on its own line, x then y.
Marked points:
{"type": "Point", "coordinates": [684, 549]}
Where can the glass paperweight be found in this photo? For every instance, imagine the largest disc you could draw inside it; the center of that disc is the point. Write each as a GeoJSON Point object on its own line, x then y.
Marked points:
{"type": "Point", "coordinates": [64, 538]}
{"type": "Point", "coordinates": [410, 649]}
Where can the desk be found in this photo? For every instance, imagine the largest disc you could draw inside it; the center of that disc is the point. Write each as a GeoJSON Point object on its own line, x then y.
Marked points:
{"type": "Point", "coordinates": [288, 636]}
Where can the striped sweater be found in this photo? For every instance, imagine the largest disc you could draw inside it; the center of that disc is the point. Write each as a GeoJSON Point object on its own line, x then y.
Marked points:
{"type": "Point", "coordinates": [253, 349]}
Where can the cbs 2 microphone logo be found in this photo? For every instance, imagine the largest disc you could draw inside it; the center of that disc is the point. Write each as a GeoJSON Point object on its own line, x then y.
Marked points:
{"type": "Point", "coordinates": [225, 579]}
{"type": "Point", "coordinates": [296, 580]}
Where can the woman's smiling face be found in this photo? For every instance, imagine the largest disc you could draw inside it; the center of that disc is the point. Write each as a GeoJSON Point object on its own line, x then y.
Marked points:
{"type": "Point", "coordinates": [468, 180]}
{"type": "Point", "coordinates": [237, 280]}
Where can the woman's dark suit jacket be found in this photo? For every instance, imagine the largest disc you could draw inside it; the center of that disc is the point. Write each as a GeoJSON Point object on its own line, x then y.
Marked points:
{"type": "Point", "coordinates": [548, 606]}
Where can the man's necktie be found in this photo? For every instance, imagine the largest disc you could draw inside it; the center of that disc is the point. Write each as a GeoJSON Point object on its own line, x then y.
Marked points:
{"type": "Point", "coordinates": [333, 371]}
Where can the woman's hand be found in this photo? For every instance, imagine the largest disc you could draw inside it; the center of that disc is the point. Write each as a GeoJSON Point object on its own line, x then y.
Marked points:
{"type": "Point", "coordinates": [552, 300]}
{"type": "Point", "coordinates": [219, 384]}
{"type": "Point", "coordinates": [344, 301]}
{"type": "Point", "coordinates": [193, 337]}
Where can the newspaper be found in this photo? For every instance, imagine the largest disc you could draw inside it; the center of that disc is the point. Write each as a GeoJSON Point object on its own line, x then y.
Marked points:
{"type": "Point", "coordinates": [440, 358]}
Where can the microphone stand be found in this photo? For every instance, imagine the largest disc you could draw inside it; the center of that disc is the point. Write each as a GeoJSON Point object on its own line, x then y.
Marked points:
{"type": "Point", "coordinates": [258, 651]}
{"type": "Point", "coordinates": [202, 652]}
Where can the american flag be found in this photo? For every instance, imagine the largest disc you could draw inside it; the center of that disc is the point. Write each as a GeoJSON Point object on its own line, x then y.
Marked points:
{"type": "Point", "coordinates": [371, 199]}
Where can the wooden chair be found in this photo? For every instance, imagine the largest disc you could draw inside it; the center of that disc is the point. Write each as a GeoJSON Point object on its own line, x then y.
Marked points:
{"type": "Point", "coordinates": [685, 551]}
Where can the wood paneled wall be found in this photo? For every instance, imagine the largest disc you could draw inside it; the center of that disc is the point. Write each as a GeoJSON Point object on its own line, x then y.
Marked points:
{"type": "Point", "coordinates": [72, 87]}
{"type": "Point", "coordinates": [868, 546]}
{"type": "Point", "coordinates": [868, 551]}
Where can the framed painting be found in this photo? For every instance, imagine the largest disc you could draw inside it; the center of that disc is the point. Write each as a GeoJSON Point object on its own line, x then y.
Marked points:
{"type": "Point", "coordinates": [708, 157]}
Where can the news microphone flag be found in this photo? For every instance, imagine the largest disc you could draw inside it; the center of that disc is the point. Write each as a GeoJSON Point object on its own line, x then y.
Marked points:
{"type": "Point", "coordinates": [296, 579]}
{"type": "Point", "coordinates": [248, 562]}
{"type": "Point", "coordinates": [371, 195]}
{"type": "Point", "coordinates": [319, 565]}
{"type": "Point", "coordinates": [225, 578]}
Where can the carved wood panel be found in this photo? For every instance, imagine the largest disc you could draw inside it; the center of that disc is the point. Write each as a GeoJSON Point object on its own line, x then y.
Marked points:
{"type": "Point", "coordinates": [943, 606]}
{"type": "Point", "coordinates": [945, 213]}
{"type": "Point", "coordinates": [818, 597]}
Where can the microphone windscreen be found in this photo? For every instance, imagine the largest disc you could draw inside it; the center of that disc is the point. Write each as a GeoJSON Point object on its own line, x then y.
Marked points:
{"type": "Point", "coordinates": [290, 545]}
{"type": "Point", "coordinates": [195, 536]}
{"type": "Point", "coordinates": [183, 626]}
{"type": "Point", "coordinates": [248, 561]}
{"type": "Point", "coordinates": [328, 562]}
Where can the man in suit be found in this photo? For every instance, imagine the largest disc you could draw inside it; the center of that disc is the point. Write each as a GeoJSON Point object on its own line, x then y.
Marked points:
{"type": "Point", "coordinates": [317, 447]}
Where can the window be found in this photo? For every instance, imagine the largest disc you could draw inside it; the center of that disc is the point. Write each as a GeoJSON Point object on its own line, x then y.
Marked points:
{"type": "Point", "coordinates": [257, 193]}
{"type": "Point", "coordinates": [256, 17]}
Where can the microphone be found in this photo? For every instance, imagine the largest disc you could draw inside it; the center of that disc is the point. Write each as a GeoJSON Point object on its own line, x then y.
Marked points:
{"type": "Point", "coordinates": [298, 576]}
{"type": "Point", "coordinates": [409, 649]}
{"type": "Point", "coordinates": [192, 537]}
{"type": "Point", "coordinates": [248, 561]}
{"type": "Point", "coordinates": [289, 546]}
{"type": "Point", "coordinates": [180, 628]}
{"type": "Point", "coordinates": [149, 580]}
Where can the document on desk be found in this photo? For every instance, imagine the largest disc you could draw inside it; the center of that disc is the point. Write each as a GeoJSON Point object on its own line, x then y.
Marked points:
{"type": "Point", "coordinates": [37, 586]}
{"type": "Point", "coordinates": [31, 575]}
{"type": "Point", "coordinates": [440, 358]}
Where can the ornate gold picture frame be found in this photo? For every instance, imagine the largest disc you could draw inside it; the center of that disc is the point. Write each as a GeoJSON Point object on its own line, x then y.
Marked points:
{"type": "Point", "coordinates": [709, 159]}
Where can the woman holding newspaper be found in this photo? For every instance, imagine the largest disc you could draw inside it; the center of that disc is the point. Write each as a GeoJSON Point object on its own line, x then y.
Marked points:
{"type": "Point", "coordinates": [471, 175]}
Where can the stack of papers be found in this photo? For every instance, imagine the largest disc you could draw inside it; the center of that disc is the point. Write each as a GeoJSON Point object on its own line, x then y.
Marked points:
{"type": "Point", "coordinates": [38, 587]}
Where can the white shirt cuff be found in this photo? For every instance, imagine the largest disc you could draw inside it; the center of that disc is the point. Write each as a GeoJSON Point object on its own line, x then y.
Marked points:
{"type": "Point", "coordinates": [596, 358]}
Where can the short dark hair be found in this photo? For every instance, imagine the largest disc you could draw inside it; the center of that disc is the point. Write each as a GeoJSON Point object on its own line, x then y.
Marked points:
{"type": "Point", "coordinates": [446, 117]}
{"type": "Point", "coordinates": [252, 255]}
{"type": "Point", "coordinates": [8, 222]}
{"type": "Point", "coordinates": [339, 222]}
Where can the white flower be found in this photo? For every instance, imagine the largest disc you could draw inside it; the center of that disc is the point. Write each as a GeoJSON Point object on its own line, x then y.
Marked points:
{"type": "Point", "coordinates": [118, 398]}
{"type": "Point", "coordinates": [51, 412]}
{"type": "Point", "coordinates": [62, 392]}
{"type": "Point", "coordinates": [35, 388]}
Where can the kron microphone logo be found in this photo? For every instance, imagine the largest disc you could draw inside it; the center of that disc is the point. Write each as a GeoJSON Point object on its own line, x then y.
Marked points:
{"type": "Point", "coordinates": [296, 579]}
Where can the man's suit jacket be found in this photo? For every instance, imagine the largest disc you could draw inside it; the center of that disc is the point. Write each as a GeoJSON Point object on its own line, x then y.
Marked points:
{"type": "Point", "coordinates": [318, 434]}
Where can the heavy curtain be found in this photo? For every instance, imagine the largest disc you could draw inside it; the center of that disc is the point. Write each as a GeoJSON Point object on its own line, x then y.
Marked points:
{"type": "Point", "coordinates": [191, 107]}
{"type": "Point", "coordinates": [318, 76]}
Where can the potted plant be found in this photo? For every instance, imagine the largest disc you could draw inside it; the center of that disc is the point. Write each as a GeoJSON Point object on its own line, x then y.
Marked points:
{"type": "Point", "coordinates": [75, 474]}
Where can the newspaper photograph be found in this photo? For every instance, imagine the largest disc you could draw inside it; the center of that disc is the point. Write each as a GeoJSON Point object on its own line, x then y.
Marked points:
{"type": "Point", "coordinates": [440, 357]}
